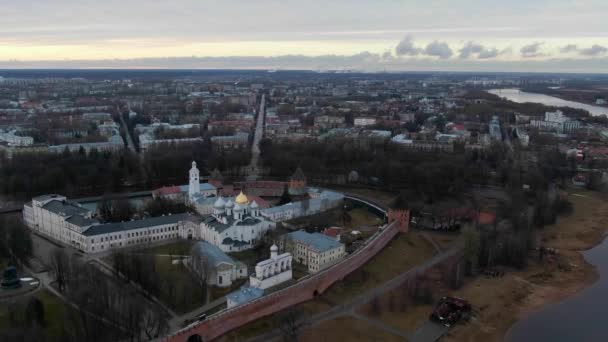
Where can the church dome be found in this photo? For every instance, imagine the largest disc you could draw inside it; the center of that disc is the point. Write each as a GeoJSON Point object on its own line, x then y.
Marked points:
{"type": "Point", "coordinates": [254, 205]}
{"type": "Point", "coordinates": [229, 204]}
{"type": "Point", "coordinates": [274, 248]}
{"type": "Point", "coordinates": [238, 207]}
{"type": "Point", "coordinates": [219, 203]}
{"type": "Point", "coordinates": [241, 199]}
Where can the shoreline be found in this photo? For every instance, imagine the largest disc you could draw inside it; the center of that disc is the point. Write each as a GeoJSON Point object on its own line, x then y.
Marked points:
{"type": "Point", "coordinates": [560, 95]}
{"type": "Point", "coordinates": [544, 297]}
{"type": "Point", "coordinates": [519, 294]}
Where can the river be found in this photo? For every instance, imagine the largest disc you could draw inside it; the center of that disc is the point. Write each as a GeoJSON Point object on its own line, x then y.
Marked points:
{"type": "Point", "coordinates": [578, 318]}
{"type": "Point", "coordinates": [519, 96]}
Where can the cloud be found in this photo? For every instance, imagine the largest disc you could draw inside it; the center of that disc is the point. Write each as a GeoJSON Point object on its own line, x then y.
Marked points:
{"type": "Point", "coordinates": [531, 50]}
{"type": "Point", "coordinates": [438, 49]}
{"type": "Point", "coordinates": [472, 49]}
{"type": "Point", "coordinates": [568, 48]}
{"type": "Point", "coordinates": [406, 47]}
{"type": "Point", "coordinates": [489, 53]}
{"type": "Point", "coordinates": [594, 50]}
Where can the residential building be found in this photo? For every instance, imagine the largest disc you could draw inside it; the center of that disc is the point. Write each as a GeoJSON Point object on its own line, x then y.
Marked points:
{"type": "Point", "coordinates": [315, 250]}
{"type": "Point", "coordinates": [70, 223]}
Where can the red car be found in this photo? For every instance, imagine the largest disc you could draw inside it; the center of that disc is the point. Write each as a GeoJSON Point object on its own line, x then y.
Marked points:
{"type": "Point", "coordinates": [449, 310]}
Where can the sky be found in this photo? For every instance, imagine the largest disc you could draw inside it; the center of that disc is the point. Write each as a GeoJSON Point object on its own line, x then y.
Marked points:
{"type": "Point", "coordinates": [369, 35]}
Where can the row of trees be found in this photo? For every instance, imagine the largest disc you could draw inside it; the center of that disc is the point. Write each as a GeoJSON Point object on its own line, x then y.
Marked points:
{"type": "Point", "coordinates": [384, 164]}
{"type": "Point", "coordinates": [82, 174]}
{"type": "Point", "coordinates": [118, 209]}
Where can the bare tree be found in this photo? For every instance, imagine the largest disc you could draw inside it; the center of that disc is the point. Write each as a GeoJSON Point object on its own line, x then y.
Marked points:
{"type": "Point", "coordinates": [60, 263]}
{"type": "Point", "coordinates": [200, 265]}
{"type": "Point", "coordinates": [290, 323]}
{"type": "Point", "coordinates": [155, 322]}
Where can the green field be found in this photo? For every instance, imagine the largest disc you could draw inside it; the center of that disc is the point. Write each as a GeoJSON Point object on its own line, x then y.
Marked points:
{"type": "Point", "coordinates": [179, 289]}
{"type": "Point", "coordinates": [181, 247]}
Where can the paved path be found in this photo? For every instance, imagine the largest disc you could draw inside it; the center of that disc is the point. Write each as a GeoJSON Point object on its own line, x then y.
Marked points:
{"type": "Point", "coordinates": [130, 144]}
{"type": "Point", "coordinates": [429, 332]}
{"type": "Point", "coordinates": [257, 137]}
{"type": "Point", "coordinates": [178, 321]}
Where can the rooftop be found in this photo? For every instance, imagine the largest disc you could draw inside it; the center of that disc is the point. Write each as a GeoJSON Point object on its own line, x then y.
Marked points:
{"type": "Point", "coordinates": [245, 294]}
{"type": "Point", "coordinates": [214, 255]}
{"type": "Point", "coordinates": [65, 208]}
{"type": "Point", "coordinates": [136, 224]}
{"type": "Point", "coordinates": [317, 241]}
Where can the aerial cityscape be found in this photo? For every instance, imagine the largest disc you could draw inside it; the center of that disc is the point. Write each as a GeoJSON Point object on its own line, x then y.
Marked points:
{"type": "Point", "coordinates": [356, 171]}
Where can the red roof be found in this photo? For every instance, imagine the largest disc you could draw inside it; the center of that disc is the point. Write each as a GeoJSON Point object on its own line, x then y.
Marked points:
{"type": "Point", "coordinates": [333, 231]}
{"type": "Point", "coordinates": [262, 203]}
{"type": "Point", "coordinates": [168, 190]}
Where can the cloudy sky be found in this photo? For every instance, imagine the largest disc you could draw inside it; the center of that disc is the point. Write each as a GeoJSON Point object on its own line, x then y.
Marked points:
{"type": "Point", "coordinates": [515, 35]}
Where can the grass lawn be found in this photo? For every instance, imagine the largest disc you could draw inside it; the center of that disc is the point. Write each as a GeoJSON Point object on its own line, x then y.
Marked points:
{"type": "Point", "coordinates": [179, 289]}
{"type": "Point", "coordinates": [346, 329]}
{"type": "Point", "coordinates": [382, 196]}
{"type": "Point", "coordinates": [363, 217]}
{"type": "Point", "coordinates": [249, 256]}
{"type": "Point", "coordinates": [59, 317]}
{"type": "Point", "coordinates": [401, 254]}
{"type": "Point", "coordinates": [181, 247]}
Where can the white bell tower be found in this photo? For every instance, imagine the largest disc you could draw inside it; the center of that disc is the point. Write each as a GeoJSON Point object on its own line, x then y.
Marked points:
{"type": "Point", "coordinates": [195, 185]}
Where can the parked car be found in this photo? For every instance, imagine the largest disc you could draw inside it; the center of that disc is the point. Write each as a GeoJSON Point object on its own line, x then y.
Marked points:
{"type": "Point", "coordinates": [450, 310]}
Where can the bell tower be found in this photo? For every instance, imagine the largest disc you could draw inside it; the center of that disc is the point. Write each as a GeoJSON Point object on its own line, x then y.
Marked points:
{"type": "Point", "coordinates": [194, 186]}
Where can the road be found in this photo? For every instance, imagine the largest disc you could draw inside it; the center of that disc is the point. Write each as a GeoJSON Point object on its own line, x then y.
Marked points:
{"type": "Point", "coordinates": [350, 308]}
{"type": "Point", "coordinates": [130, 144]}
{"type": "Point", "coordinates": [257, 137]}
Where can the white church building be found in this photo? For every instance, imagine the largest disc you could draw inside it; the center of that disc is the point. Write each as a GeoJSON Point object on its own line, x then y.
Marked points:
{"type": "Point", "coordinates": [233, 226]}
{"type": "Point", "coordinates": [273, 271]}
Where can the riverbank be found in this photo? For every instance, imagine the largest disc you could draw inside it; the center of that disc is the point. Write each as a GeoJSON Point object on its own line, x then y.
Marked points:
{"type": "Point", "coordinates": [500, 302]}
{"type": "Point", "coordinates": [586, 96]}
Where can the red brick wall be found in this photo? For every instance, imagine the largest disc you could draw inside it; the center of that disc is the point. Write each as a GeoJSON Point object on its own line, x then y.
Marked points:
{"type": "Point", "coordinates": [216, 326]}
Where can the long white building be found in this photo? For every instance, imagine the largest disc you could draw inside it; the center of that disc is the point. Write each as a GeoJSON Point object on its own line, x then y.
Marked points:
{"type": "Point", "coordinates": [70, 223]}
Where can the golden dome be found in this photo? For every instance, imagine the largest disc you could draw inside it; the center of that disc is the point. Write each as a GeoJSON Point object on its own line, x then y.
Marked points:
{"type": "Point", "coordinates": [241, 199]}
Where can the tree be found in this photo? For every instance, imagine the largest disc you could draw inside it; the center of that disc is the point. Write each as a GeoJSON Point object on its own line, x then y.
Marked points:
{"type": "Point", "coordinates": [471, 246]}
{"type": "Point", "coordinates": [290, 323]}
{"type": "Point", "coordinates": [15, 240]}
{"type": "Point", "coordinates": [60, 264]}
{"type": "Point", "coordinates": [200, 266]}
{"type": "Point", "coordinates": [285, 197]}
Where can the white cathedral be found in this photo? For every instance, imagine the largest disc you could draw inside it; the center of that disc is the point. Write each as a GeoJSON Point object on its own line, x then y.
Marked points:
{"type": "Point", "coordinates": [235, 224]}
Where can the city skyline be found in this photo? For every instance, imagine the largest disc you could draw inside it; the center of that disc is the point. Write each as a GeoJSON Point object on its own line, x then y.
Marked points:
{"type": "Point", "coordinates": [547, 36]}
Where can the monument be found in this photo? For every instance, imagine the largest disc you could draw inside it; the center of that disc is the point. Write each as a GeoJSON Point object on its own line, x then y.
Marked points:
{"type": "Point", "coordinates": [10, 280]}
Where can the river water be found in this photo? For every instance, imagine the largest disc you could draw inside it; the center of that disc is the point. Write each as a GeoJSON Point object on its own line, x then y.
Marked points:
{"type": "Point", "coordinates": [580, 318]}
{"type": "Point", "coordinates": [519, 96]}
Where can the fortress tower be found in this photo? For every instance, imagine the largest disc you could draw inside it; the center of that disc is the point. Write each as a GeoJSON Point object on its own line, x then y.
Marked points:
{"type": "Point", "coordinates": [297, 183]}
